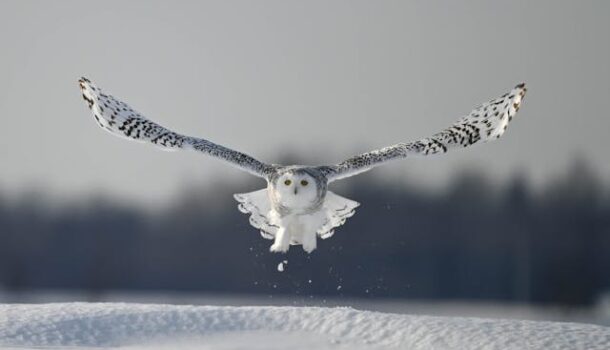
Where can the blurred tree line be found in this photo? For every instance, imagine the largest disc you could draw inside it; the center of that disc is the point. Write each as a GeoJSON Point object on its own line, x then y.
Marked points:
{"type": "Point", "coordinates": [472, 241]}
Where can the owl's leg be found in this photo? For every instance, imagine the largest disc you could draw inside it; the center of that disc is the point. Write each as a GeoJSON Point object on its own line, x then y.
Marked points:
{"type": "Point", "coordinates": [309, 241]}
{"type": "Point", "coordinates": [282, 241]}
{"type": "Point", "coordinates": [311, 223]}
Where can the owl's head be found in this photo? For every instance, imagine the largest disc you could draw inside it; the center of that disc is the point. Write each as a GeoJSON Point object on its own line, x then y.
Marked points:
{"type": "Point", "coordinates": [297, 189]}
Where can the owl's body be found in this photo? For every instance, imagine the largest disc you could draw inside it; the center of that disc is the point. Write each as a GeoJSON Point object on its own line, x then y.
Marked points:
{"type": "Point", "coordinates": [296, 207]}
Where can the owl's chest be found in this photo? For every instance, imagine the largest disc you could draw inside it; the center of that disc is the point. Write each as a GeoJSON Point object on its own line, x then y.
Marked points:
{"type": "Point", "coordinates": [299, 225]}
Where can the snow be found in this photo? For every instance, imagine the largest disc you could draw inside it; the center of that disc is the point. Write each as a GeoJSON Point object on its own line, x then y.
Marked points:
{"type": "Point", "coordinates": [154, 326]}
{"type": "Point", "coordinates": [281, 265]}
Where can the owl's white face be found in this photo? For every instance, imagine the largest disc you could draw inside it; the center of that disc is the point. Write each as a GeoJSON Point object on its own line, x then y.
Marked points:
{"type": "Point", "coordinates": [296, 190]}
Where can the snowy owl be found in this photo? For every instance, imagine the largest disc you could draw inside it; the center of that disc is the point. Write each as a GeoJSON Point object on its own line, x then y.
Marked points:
{"type": "Point", "coordinates": [297, 207]}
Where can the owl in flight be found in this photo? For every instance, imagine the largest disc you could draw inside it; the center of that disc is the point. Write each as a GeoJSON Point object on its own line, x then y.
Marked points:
{"type": "Point", "coordinates": [297, 207]}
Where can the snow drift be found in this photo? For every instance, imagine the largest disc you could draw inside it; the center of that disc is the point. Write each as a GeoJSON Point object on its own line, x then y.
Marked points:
{"type": "Point", "coordinates": [225, 327]}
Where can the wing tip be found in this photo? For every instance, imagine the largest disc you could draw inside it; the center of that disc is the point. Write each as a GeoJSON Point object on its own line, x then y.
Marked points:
{"type": "Point", "coordinates": [83, 82]}
{"type": "Point", "coordinates": [521, 88]}
{"type": "Point", "coordinates": [86, 84]}
{"type": "Point", "coordinates": [519, 92]}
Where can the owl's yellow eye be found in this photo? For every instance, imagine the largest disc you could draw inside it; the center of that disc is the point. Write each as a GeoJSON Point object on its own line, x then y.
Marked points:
{"type": "Point", "coordinates": [287, 182]}
{"type": "Point", "coordinates": [304, 182]}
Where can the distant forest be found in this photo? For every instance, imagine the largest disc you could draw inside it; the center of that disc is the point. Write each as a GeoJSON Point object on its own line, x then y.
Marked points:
{"type": "Point", "coordinates": [472, 241]}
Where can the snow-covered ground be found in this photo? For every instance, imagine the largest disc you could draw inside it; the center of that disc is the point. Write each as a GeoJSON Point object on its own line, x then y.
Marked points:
{"type": "Point", "coordinates": [84, 325]}
{"type": "Point", "coordinates": [598, 313]}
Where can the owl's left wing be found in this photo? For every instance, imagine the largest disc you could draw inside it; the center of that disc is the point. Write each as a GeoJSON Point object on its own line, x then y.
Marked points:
{"type": "Point", "coordinates": [485, 123]}
{"type": "Point", "coordinates": [116, 117]}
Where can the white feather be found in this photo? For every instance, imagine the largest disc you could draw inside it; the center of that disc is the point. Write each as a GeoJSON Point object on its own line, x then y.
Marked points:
{"type": "Point", "coordinates": [295, 229]}
{"type": "Point", "coordinates": [257, 204]}
{"type": "Point", "coordinates": [337, 209]}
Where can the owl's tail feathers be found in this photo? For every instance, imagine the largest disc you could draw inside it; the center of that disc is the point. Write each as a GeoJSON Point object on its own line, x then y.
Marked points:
{"type": "Point", "coordinates": [257, 204]}
{"type": "Point", "coordinates": [338, 209]}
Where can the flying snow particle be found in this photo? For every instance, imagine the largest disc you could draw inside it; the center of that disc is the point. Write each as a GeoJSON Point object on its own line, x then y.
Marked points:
{"type": "Point", "coordinates": [280, 266]}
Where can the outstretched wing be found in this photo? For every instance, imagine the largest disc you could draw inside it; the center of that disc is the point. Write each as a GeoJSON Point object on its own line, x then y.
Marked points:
{"type": "Point", "coordinates": [118, 118]}
{"type": "Point", "coordinates": [485, 123]}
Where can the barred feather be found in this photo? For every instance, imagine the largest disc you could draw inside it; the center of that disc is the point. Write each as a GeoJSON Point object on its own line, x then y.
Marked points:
{"type": "Point", "coordinates": [118, 118]}
{"type": "Point", "coordinates": [487, 122]}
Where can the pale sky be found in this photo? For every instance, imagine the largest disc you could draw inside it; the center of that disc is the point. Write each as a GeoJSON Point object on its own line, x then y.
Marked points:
{"type": "Point", "coordinates": [321, 80]}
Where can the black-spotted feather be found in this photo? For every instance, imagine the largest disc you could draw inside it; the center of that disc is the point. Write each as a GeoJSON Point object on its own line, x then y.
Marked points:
{"type": "Point", "coordinates": [120, 119]}
{"type": "Point", "coordinates": [487, 122]}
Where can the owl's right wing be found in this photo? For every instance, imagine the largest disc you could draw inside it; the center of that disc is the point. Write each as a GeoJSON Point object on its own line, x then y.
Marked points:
{"type": "Point", "coordinates": [485, 123]}
{"type": "Point", "coordinates": [118, 118]}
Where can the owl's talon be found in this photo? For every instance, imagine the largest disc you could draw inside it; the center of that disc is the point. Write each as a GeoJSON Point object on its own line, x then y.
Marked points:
{"type": "Point", "coordinates": [278, 248]}
{"type": "Point", "coordinates": [309, 243]}
{"type": "Point", "coordinates": [308, 248]}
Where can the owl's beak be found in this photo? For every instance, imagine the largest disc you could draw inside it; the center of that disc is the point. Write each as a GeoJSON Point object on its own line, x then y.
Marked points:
{"type": "Point", "coordinates": [296, 190]}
